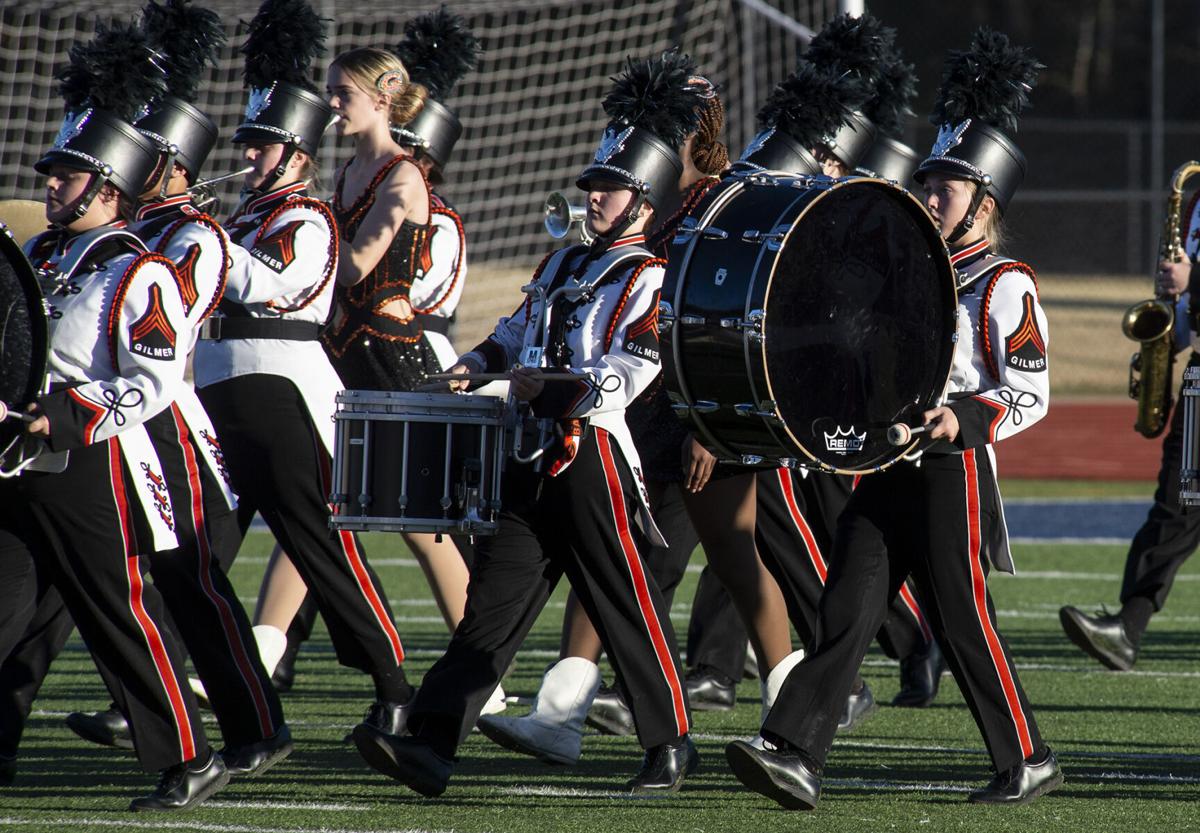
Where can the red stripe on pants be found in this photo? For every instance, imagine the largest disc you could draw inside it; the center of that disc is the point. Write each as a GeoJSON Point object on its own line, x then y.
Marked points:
{"type": "Point", "coordinates": [979, 592]}
{"type": "Point", "coordinates": [810, 540]}
{"type": "Point", "coordinates": [154, 643]}
{"type": "Point", "coordinates": [637, 575]}
{"type": "Point", "coordinates": [233, 637]}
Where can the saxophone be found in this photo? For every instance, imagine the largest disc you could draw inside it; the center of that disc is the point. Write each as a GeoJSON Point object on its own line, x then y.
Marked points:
{"type": "Point", "coordinates": [1151, 323]}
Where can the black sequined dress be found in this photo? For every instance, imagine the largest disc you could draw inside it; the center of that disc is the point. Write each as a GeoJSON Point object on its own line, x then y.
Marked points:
{"type": "Point", "coordinates": [372, 350]}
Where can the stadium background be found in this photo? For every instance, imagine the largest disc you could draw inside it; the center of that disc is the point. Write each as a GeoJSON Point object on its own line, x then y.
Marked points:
{"type": "Point", "coordinates": [1109, 124]}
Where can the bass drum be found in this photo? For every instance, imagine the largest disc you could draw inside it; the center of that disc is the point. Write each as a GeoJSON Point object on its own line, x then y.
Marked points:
{"type": "Point", "coordinates": [24, 335]}
{"type": "Point", "coordinates": [803, 316]}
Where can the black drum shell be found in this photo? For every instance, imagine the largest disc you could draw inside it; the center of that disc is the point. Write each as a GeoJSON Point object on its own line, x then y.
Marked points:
{"type": "Point", "coordinates": [24, 334]}
{"type": "Point", "coordinates": [831, 269]}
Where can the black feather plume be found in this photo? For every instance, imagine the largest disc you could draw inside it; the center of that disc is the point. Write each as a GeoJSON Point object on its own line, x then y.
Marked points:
{"type": "Point", "coordinates": [285, 37]}
{"type": "Point", "coordinates": [654, 94]}
{"type": "Point", "coordinates": [117, 71]}
{"type": "Point", "coordinates": [990, 82]}
{"type": "Point", "coordinates": [861, 46]}
{"type": "Point", "coordinates": [889, 107]}
{"type": "Point", "coordinates": [811, 103]}
{"type": "Point", "coordinates": [438, 50]}
{"type": "Point", "coordinates": [188, 39]}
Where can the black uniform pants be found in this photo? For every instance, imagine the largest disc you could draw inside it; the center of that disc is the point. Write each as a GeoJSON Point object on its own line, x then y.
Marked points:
{"type": "Point", "coordinates": [933, 522]}
{"type": "Point", "coordinates": [280, 468]}
{"type": "Point", "coordinates": [794, 526]}
{"type": "Point", "coordinates": [581, 523]}
{"type": "Point", "coordinates": [202, 607]}
{"type": "Point", "coordinates": [82, 533]}
{"type": "Point", "coordinates": [1169, 535]}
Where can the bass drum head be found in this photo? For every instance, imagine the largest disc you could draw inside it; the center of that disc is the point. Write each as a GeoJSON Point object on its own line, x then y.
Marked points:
{"type": "Point", "coordinates": [23, 334]}
{"type": "Point", "coordinates": [860, 323]}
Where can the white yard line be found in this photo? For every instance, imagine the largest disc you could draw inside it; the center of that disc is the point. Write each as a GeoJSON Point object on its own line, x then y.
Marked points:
{"type": "Point", "coordinates": [79, 822]}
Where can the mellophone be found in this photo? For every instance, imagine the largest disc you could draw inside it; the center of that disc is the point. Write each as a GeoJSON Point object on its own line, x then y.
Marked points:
{"type": "Point", "coordinates": [806, 322]}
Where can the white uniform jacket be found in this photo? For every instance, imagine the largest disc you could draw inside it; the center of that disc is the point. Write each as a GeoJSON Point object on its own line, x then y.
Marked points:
{"type": "Point", "coordinates": [283, 262]}
{"type": "Point", "coordinates": [1000, 378]}
{"type": "Point", "coordinates": [439, 284]}
{"type": "Point", "coordinates": [612, 336]}
{"type": "Point", "coordinates": [116, 358]}
{"type": "Point", "coordinates": [199, 248]}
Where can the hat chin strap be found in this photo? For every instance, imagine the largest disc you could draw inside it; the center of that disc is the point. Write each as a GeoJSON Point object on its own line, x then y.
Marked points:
{"type": "Point", "coordinates": [89, 196]}
{"type": "Point", "coordinates": [289, 150]}
{"type": "Point", "coordinates": [602, 241]}
{"type": "Point", "coordinates": [968, 220]}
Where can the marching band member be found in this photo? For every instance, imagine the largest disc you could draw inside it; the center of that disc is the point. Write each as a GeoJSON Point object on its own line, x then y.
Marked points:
{"type": "Point", "coordinates": [1170, 534]}
{"type": "Point", "coordinates": [211, 621]}
{"type": "Point", "coordinates": [577, 514]}
{"type": "Point", "coordinates": [939, 519]}
{"type": "Point", "coordinates": [261, 373]}
{"type": "Point", "coordinates": [549, 731]}
{"type": "Point", "coordinates": [115, 362]}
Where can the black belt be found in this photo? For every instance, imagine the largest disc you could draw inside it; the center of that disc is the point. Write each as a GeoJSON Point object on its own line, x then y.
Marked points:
{"type": "Point", "coordinates": [435, 324]}
{"type": "Point", "coordinates": [219, 329]}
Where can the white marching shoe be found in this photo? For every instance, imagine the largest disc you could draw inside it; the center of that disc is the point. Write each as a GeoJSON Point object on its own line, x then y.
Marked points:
{"type": "Point", "coordinates": [773, 682]}
{"type": "Point", "coordinates": [553, 731]}
{"type": "Point", "coordinates": [272, 642]}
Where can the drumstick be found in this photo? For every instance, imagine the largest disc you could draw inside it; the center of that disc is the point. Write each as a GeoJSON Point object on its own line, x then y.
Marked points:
{"type": "Point", "coordinates": [555, 376]}
{"type": "Point", "coordinates": [901, 434]}
{"type": "Point", "coordinates": [6, 413]}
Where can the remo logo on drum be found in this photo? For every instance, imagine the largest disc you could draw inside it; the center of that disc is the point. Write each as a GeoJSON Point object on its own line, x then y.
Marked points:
{"type": "Point", "coordinates": [845, 442]}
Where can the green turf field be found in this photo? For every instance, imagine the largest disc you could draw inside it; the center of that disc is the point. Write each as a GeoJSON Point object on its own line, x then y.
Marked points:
{"type": "Point", "coordinates": [1128, 742]}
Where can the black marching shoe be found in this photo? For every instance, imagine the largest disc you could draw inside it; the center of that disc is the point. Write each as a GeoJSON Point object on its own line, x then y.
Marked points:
{"type": "Point", "coordinates": [185, 785]}
{"type": "Point", "coordinates": [284, 675]}
{"type": "Point", "coordinates": [1102, 636]}
{"type": "Point", "coordinates": [8, 770]}
{"type": "Point", "coordinates": [779, 773]}
{"type": "Point", "coordinates": [859, 706]}
{"type": "Point", "coordinates": [609, 715]}
{"type": "Point", "coordinates": [1022, 783]}
{"type": "Point", "coordinates": [920, 676]}
{"type": "Point", "coordinates": [389, 718]}
{"type": "Point", "coordinates": [665, 766]}
{"type": "Point", "coordinates": [107, 728]}
{"type": "Point", "coordinates": [709, 690]}
{"type": "Point", "coordinates": [253, 759]}
{"type": "Point", "coordinates": [409, 760]}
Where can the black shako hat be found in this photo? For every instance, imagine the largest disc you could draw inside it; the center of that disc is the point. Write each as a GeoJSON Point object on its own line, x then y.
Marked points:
{"type": "Point", "coordinates": [983, 92]}
{"type": "Point", "coordinates": [888, 108]}
{"type": "Point", "coordinates": [285, 37]}
{"type": "Point", "coordinates": [438, 50]}
{"type": "Point", "coordinates": [186, 39]}
{"type": "Point", "coordinates": [866, 50]}
{"type": "Point", "coordinates": [802, 112]}
{"type": "Point", "coordinates": [104, 85]}
{"type": "Point", "coordinates": [653, 106]}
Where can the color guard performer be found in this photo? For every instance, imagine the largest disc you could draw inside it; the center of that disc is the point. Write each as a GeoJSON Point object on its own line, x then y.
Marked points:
{"type": "Point", "coordinates": [115, 363]}
{"type": "Point", "coordinates": [262, 374]}
{"type": "Point", "coordinates": [939, 518]}
{"type": "Point", "coordinates": [575, 511]}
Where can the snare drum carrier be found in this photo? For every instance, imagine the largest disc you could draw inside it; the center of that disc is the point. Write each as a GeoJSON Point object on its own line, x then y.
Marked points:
{"type": "Point", "coordinates": [802, 316]}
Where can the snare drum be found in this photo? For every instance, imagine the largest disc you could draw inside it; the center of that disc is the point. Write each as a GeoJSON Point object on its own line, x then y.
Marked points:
{"type": "Point", "coordinates": [417, 462]}
{"type": "Point", "coordinates": [1189, 471]}
{"type": "Point", "coordinates": [802, 316]}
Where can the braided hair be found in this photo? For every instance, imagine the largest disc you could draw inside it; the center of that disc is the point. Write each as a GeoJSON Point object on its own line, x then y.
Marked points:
{"type": "Point", "coordinates": [709, 154]}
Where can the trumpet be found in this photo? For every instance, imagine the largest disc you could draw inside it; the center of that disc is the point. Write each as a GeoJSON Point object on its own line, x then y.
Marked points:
{"type": "Point", "coordinates": [560, 215]}
{"type": "Point", "coordinates": [204, 195]}
{"type": "Point", "coordinates": [1151, 323]}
